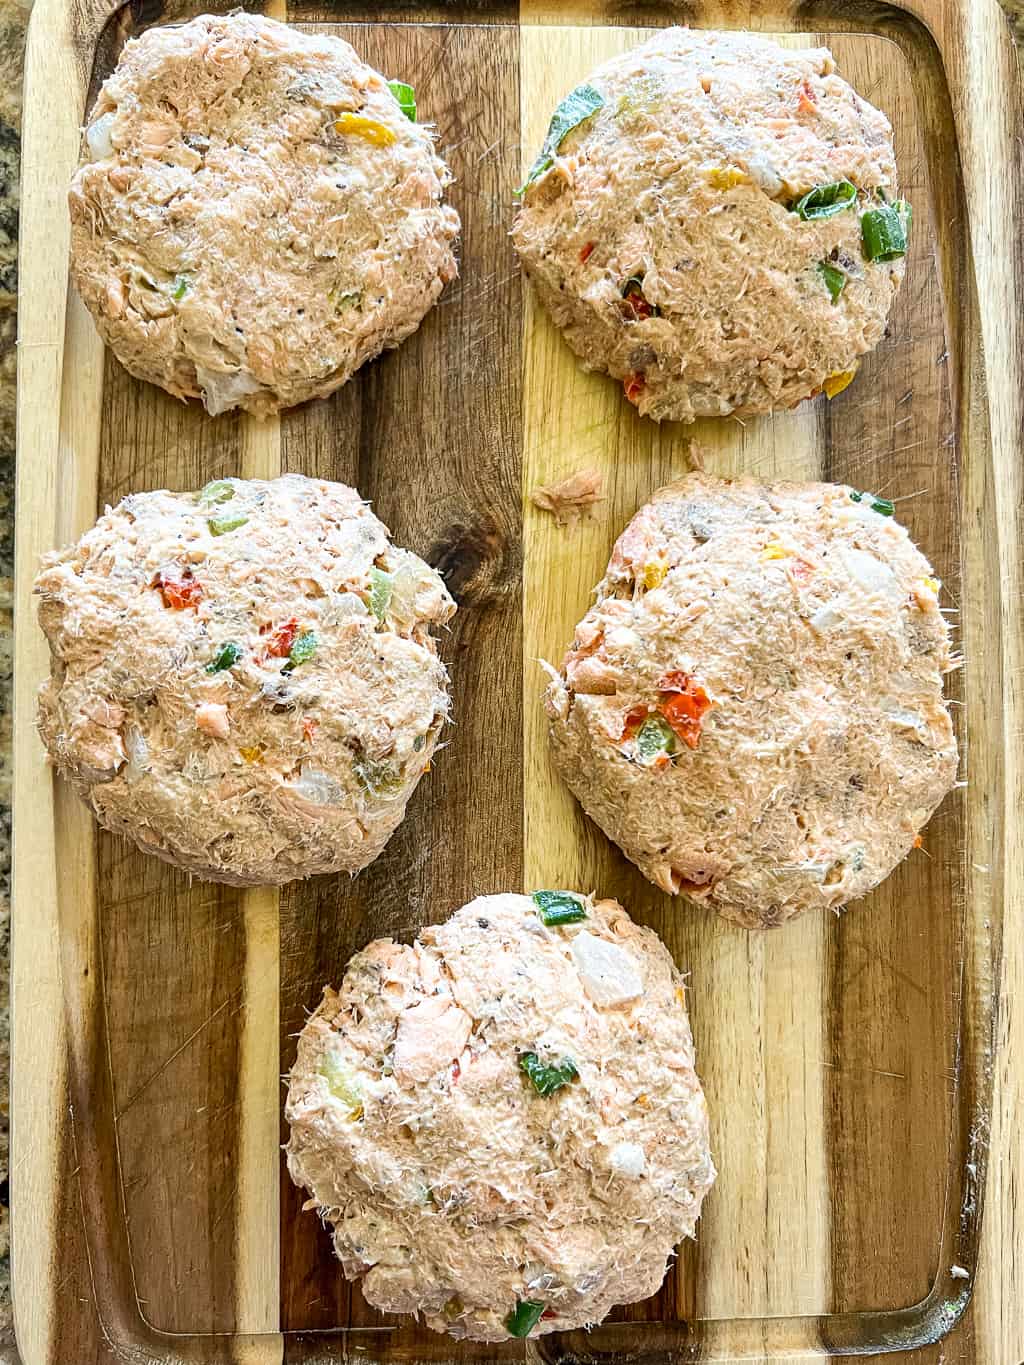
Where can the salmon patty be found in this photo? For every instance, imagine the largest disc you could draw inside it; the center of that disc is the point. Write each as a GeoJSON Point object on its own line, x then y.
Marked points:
{"type": "Point", "coordinates": [753, 707]}
{"type": "Point", "coordinates": [501, 1125]}
{"type": "Point", "coordinates": [714, 220]}
{"type": "Point", "coordinates": [243, 679]}
{"type": "Point", "coordinates": [256, 213]}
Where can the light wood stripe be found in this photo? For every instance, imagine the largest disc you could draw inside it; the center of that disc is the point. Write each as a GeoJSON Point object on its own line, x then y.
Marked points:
{"type": "Point", "coordinates": [763, 1037]}
{"type": "Point", "coordinates": [257, 1211]}
{"type": "Point", "coordinates": [60, 486]}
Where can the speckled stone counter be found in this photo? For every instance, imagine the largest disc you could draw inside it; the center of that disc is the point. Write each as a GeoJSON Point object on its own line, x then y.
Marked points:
{"type": "Point", "coordinates": [13, 17]}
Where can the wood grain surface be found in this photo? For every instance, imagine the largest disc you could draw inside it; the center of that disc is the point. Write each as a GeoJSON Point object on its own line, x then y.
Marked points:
{"type": "Point", "coordinates": [857, 1068]}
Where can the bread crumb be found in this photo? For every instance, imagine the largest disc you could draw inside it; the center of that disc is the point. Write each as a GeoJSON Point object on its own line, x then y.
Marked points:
{"type": "Point", "coordinates": [570, 498]}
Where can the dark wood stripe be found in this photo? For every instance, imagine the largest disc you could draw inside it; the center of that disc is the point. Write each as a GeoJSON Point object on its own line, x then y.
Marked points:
{"type": "Point", "coordinates": [893, 961]}
{"type": "Point", "coordinates": [431, 435]}
{"type": "Point", "coordinates": [173, 960]}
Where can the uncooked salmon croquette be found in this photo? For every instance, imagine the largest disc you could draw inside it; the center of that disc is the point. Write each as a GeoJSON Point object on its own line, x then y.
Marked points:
{"type": "Point", "coordinates": [243, 679]}
{"type": "Point", "coordinates": [715, 221]}
{"type": "Point", "coordinates": [256, 214]}
{"type": "Point", "coordinates": [753, 707]}
{"type": "Point", "coordinates": [501, 1124]}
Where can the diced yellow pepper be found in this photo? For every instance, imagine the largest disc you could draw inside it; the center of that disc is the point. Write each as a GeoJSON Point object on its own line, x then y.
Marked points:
{"type": "Point", "coordinates": [654, 574]}
{"type": "Point", "coordinates": [773, 550]}
{"type": "Point", "coordinates": [932, 584]}
{"type": "Point", "coordinates": [726, 177]}
{"type": "Point", "coordinates": [369, 128]}
{"type": "Point", "coordinates": [836, 383]}
{"type": "Point", "coordinates": [252, 754]}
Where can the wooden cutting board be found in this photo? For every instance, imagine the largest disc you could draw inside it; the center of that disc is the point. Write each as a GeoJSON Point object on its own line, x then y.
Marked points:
{"type": "Point", "coordinates": [848, 1061]}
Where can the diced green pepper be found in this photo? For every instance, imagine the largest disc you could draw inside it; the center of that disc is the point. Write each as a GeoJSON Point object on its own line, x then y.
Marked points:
{"type": "Point", "coordinates": [524, 1317]}
{"type": "Point", "coordinates": [406, 97]}
{"type": "Point", "coordinates": [654, 738]}
{"type": "Point", "coordinates": [302, 650]}
{"type": "Point", "coordinates": [181, 288]}
{"type": "Point", "coordinates": [377, 779]}
{"type": "Point", "coordinates": [220, 526]}
{"type": "Point", "coordinates": [226, 657]}
{"type": "Point", "coordinates": [579, 105]}
{"type": "Point", "coordinates": [546, 1079]}
{"type": "Point", "coordinates": [381, 587]}
{"type": "Point", "coordinates": [220, 490]}
{"type": "Point", "coordinates": [558, 907]}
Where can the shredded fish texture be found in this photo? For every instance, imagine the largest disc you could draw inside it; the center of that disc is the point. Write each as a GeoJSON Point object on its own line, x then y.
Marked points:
{"type": "Point", "coordinates": [501, 1124]}
{"type": "Point", "coordinates": [570, 498]}
{"type": "Point", "coordinates": [254, 216]}
{"type": "Point", "coordinates": [235, 700]}
{"type": "Point", "coordinates": [677, 235]}
{"type": "Point", "coordinates": [787, 633]}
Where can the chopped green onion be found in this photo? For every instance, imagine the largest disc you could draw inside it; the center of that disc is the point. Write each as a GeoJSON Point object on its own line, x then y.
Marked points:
{"type": "Point", "coordinates": [882, 506]}
{"type": "Point", "coordinates": [220, 526]}
{"type": "Point", "coordinates": [301, 651]}
{"type": "Point", "coordinates": [558, 907]}
{"type": "Point", "coordinates": [524, 1317]}
{"type": "Point", "coordinates": [654, 738]}
{"type": "Point", "coordinates": [547, 1079]}
{"type": "Point", "coordinates": [835, 279]}
{"type": "Point", "coordinates": [579, 105]}
{"type": "Point", "coordinates": [884, 231]}
{"type": "Point", "coordinates": [406, 97]}
{"type": "Point", "coordinates": [825, 201]}
{"type": "Point", "coordinates": [381, 587]}
{"type": "Point", "coordinates": [181, 288]}
{"type": "Point", "coordinates": [220, 490]}
{"type": "Point", "coordinates": [226, 657]}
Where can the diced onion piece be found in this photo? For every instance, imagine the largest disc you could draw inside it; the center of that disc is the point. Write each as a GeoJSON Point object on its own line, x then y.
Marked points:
{"type": "Point", "coordinates": [98, 137]}
{"type": "Point", "coordinates": [221, 391]}
{"type": "Point", "coordinates": [609, 974]}
{"type": "Point", "coordinates": [628, 1159]}
{"type": "Point", "coordinates": [342, 1083]}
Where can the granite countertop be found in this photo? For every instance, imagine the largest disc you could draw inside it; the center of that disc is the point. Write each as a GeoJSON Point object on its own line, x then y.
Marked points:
{"type": "Point", "coordinates": [13, 18]}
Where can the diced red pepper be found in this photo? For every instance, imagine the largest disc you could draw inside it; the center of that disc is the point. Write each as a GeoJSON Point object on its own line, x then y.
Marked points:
{"type": "Point", "coordinates": [279, 646]}
{"type": "Point", "coordinates": [456, 1070]}
{"type": "Point", "coordinates": [633, 385]}
{"type": "Point", "coordinates": [548, 1314]}
{"type": "Point", "coordinates": [685, 707]}
{"type": "Point", "coordinates": [586, 253]}
{"type": "Point", "coordinates": [800, 571]}
{"type": "Point", "coordinates": [806, 103]}
{"type": "Point", "coordinates": [180, 591]}
{"type": "Point", "coordinates": [635, 304]}
{"type": "Point", "coordinates": [632, 722]}
{"type": "Point", "coordinates": [309, 728]}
